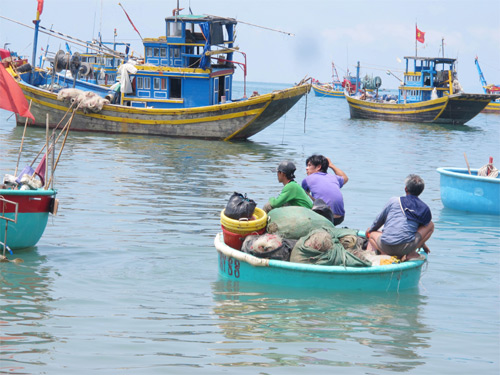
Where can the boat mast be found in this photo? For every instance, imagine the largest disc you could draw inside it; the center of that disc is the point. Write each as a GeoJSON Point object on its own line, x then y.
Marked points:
{"type": "Point", "coordinates": [35, 41]}
{"type": "Point", "coordinates": [357, 78]}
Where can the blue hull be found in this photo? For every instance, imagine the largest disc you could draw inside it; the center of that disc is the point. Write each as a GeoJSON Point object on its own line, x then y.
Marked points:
{"type": "Point", "coordinates": [318, 91]}
{"type": "Point", "coordinates": [33, 208]}
{"type": "Point", "coordinates": [26, 232]}
{"type": "Point", "coordinates": [237, 266]}
{"type": "Point", "coordinates": [472, 193]}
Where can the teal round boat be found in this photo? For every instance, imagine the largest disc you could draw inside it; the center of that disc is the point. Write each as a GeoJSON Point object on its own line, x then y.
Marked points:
{"type": "Point", "coordinates": [26, 213]}
{"type": "Point", "coordinates": [238, 266]}
{"type": "Point", "coordinates": [469, 192]}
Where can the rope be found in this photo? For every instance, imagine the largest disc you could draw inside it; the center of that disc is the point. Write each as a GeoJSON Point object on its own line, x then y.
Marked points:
{"type": "Point", "coordinates": [488, 170]}
{"type": "Point", "coordinates": [305, 115]}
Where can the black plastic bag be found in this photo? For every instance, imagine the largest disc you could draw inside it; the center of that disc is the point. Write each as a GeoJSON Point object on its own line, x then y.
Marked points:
{"type": "Point", "coordinates": [239, 206]}
{"type": "Point", "coordinates": [323, 209]}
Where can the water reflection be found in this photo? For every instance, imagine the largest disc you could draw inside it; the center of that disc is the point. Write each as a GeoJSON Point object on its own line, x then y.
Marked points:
{"type": "Point", "coordinates": [386, 330]}
{"type": "Point", "coordinates": [24, 293]}
{"type": "Point", "coordinates": [477, 231]}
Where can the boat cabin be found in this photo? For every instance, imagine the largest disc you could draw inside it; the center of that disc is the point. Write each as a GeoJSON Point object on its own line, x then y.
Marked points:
{"type": "Point", "coordinates": [425, 75]}
{"type": "Point", "coordinates": [191, 66]}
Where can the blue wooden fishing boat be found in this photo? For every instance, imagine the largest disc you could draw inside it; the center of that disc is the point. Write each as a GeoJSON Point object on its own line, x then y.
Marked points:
{"type": "Point", "coordinates": [430, 93]}
{"type": "Point", "coordinates": [100, 64]}
{"type": "Point", "coordinates": [184, 88]}
{"type": "Point", "coordinates": [239, 266]}
{"type": "Point", "coordinates": [469, 192]}
{"type": "Point", "coordinates": [332, 90]}
{"type": "Point", "coordinates": [336, 88]}
{"type": "Point", "coordinates": [24, 215]}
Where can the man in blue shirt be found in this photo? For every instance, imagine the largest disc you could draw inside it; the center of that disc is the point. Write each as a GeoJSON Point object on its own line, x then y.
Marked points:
{"type": "Point", "coordinates": [407, 223]}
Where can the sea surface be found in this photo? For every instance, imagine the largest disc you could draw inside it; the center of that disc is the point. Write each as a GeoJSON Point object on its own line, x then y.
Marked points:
{"type": "Point", "coordinates": [125, 277]}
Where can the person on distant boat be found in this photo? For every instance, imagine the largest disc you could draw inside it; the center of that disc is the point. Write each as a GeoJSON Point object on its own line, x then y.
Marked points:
{"type": "Point", "coordinates": [292, 194]}
{"type": "Point", "coordinates": [319, 184]}
{"type": "Point", "coordinates": [407, 223]}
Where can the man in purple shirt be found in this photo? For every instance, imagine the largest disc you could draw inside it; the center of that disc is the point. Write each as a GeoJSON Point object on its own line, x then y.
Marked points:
{"type": "Point", "coordinates": [321, 185]}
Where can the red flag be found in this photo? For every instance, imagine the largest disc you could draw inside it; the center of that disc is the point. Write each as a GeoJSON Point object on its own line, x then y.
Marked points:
{"type": "Point", "coordinates": [40, 170]}
{"type": "Point", "coordinates": [137, 31]}
{"type": "Point", "coordinates": [39, 8]}
{"type": "Point", "coordinates": [11, 96]}
{"type": "Point", "coordinates": [420, 35]}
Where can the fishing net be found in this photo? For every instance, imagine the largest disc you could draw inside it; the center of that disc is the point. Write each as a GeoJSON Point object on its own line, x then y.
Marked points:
{"type": "Point", "coordinates": [294, 222]}
{"type": "Point", "coordinates": [488, 170]}
{"type": "Point", "coordinates": [323, 246]}
{"type": "Point", "coordinates": [270, 246]}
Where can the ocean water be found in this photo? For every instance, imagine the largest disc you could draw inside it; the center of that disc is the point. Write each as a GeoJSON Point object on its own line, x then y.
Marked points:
{"type": "Point", "coordinates": [124, 280]}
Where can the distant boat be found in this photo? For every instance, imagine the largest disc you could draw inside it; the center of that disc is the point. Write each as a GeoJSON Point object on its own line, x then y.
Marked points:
{"type": "Point", "coordinates": [103, 64]}
{"type": "Point", "coordinates": [494, 106]}
{"type": "Point", "coordinates": [430, 93]}
{"type": "Point", "coordinates": [184, 88]}
{"type": "Point", "coordinates": [239, 266]}
{"type": "Point", "coordinates": [469, 192]}
{"type": "Point", "coordinates": [336, 88]}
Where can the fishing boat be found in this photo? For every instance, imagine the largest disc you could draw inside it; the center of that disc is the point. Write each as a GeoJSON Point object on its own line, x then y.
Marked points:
{"type": "Point", "coordinates": [27, 198]}
{"type": "Point", "coordinates": [24, 215]}
{"type": "Point", "coordinates": [331, 90]}
{"type": "Point", "coordinates": [463, 189]}
{"type": "Point", "coordinates": [336, 88]}
{"type": "Point", "coordinates": [99, 65]}
{"type": "Point", "coordinates": [243, 267]}
{"type": "Point", "coordinates": [184, 88]}
{"type": "Point", "coordinates": [430, 93]}
{"type": "Point", "coordinates": [493, 106]}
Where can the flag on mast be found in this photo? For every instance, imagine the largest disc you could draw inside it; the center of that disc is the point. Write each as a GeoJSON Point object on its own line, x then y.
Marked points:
{"type": "Point", "coordinates": [420, 35]}
{"type": "Point", "coordinates": [39, 9]}
{"type": "Point", "coordinates": [11, 96]}
{"type": "Point", "coordinates": [137, 31]}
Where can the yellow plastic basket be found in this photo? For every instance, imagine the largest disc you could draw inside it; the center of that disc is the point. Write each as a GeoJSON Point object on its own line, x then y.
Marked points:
{"type": "Point", "coordinates": [245, 226]}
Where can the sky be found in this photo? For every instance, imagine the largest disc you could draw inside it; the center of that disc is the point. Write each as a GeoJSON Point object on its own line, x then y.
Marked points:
{"type": "Point", "coordinates": [377, 33]}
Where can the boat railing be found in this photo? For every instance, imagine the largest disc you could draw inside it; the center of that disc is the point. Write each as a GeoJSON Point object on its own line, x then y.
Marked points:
{"type": "Point", "coordinates": [4, 203]}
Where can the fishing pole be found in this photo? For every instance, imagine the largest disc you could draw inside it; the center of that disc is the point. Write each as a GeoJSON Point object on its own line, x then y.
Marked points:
{"type": "Point", "coordinates": [76, 41]}
{"type": "Point", "coordinates": [251, 24]}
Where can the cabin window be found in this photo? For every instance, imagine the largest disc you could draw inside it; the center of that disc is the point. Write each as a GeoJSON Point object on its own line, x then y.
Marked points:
{"type": "Point", "coordinates": [163, 52]}
{"type": "Point", "coordinates": [156, 83]}
{"type": "Point", "coordinates": [174, 29]}
{"type": "Point", "coordinates": [140, 82]}
{"type": "Point", "coordinates": [147, 83]}
{"type": "Point", "coordinates": [149, 52]}
{"type": "Point", "coordinates": [163, 83]}
{"type": "Point", "coordinates": [176, 53]}
{"type": "Point", "coordinates": [156, 52]}
{"type": "Point", "coordinates": [175, 88]}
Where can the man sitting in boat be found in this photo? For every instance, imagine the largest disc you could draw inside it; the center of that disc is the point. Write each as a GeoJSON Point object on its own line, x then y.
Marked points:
{"type": "Point", "coordinates": [292, 194]}
{"type": "Point", "coordinates": [321, 185]}
{"type": "Point", "coordinates": [407, 223]}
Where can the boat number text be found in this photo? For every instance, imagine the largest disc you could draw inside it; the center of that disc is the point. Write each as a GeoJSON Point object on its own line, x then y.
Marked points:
{"type": "Point", "coordinates": [229, 265]}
